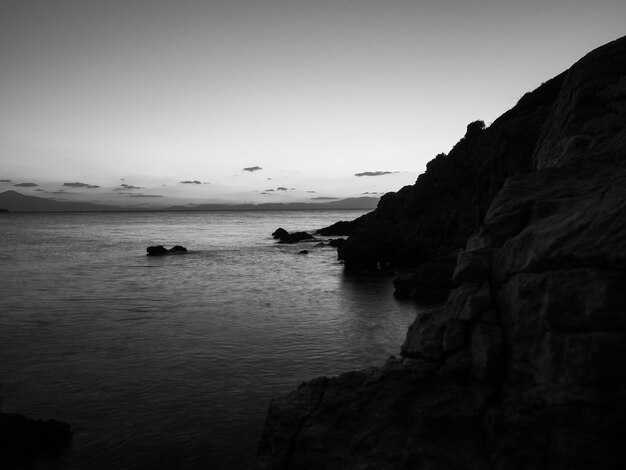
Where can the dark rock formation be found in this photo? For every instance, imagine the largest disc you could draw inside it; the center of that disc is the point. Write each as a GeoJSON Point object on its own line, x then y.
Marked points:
{"type": "Point", "coordinates": [336, 242]}
{"type": "Point", "coordinates": [284, 236]}
{"type": "Point", "coordinates": [343, 228]}
{"type": "Point", "coordinates": [160, 250]}
{"type": "Point", "coordinates": [435, 216]}
{"type": "Point", "coordinates": [23, 439]}
{"type": "Point", "coordinates": [303, 252]}
{"type": "Point", "coordinates": [430, 282]}
{"type": "Point", "coordinates": [524, 365]}
{"type": "Point", "coordinates": [280, 233]}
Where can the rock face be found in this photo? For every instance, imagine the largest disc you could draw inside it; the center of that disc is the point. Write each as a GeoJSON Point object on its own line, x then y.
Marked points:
{"type": "Point", "coordinates": [524, 367]}
{"type": "Point", "coordinates": [22, 440]}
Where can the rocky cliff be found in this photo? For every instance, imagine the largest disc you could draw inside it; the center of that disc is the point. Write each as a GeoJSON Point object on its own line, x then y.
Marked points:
{"type": "Point", "coordinates": [524, 367]}
{"type": "Point", "coordinates": [436, 215]}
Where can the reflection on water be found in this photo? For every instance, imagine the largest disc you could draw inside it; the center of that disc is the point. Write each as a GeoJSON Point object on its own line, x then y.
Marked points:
{"type": "Point", "coordinates": [170, 362]}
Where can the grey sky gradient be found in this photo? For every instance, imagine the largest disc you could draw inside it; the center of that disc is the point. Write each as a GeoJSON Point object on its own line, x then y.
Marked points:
{"type": "Point", "coordinates": [313, 92]}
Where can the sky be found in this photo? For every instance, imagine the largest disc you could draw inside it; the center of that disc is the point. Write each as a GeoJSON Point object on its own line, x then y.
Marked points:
{"type": "Point", "coordinates": [143, 101]}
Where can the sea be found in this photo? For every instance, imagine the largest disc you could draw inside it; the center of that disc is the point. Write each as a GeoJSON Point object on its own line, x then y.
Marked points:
{"type": "Point", "coordinates": [171, 362]}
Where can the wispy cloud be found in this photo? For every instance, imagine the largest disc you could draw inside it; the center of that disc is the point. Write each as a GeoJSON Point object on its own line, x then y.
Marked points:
{"type": "Point", "coordinates": [322, 198]}
{"type": "Point", "coordinates": [375, 173]}
{"type": "Point", "coordinates": [126, 187]}
{"type": "Point", "coordinates": [191, 182]}
{"type": "Point", "coordinates": [26, 185]}
{"type": "Point", "coordinates": [252, 168]}
{"type": "Point", "coordinates": [143, 195]}
{"type": "Point", "coordinates": [5, 181]}
{"type": "Point", "coordinates": [81, 185]}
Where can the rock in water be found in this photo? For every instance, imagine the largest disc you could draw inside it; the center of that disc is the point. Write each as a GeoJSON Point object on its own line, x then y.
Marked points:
{"type": "Point", "coordinates": [524, 365]}
{"type": "Point", "coordinates": [160, 250]}
{"type": "Point", "coordinates": [280, 233]}
{"type": "Point", "coordinates": [284, 236]}
{"type": "Point", "coordinates": [157, 250]}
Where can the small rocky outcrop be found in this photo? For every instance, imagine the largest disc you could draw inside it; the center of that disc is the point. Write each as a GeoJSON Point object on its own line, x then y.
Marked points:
{"type": "Point", "coordinates": [283, 236]}
{"type": "Point", "coordinates": [160, 250]}
{"type": "Point", "coordinates": [523, 366]}
{"type": "Point", "coordinates": [22, 440]}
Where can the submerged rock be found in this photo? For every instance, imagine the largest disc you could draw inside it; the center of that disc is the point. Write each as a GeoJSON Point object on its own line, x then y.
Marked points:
{"type": "Point", "coordinates": [523, 367]}
{"type": "Point", "coordinates": [160, 250]}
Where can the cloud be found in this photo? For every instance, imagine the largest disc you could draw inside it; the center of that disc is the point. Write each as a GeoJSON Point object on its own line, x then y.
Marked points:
{"type": "Point", "coordinates": [60, 191]}
{"type": "Point", "coordinates": [191, 182]}
{"type": "Point", "coordinates": [42, 190]}
{"type": "Point", "coordinates": [375, 173]}
{"type": "Point", "coordinates": [126, 187]}
{"type": "Point", "coordinates": [311, 191]}
{"type": "Point", "coordinates": [252, 168]}
{"type": "Point", "coordinates": [81, 185]}
{"type": "Point", "coordinates": [26, 185]}
{"type": "Point", "coordinates": [372, 193]}
{"type": "Point", "coordinates": [143, 195]}
{"type": "Point", "coordinates": [5, 181]}
{"type": "Point", "coordinates": [281, 188]}
{"type": "Point", "coordinates": [322, 198]}
{"type": "Point", "coordinates": [269, 190]}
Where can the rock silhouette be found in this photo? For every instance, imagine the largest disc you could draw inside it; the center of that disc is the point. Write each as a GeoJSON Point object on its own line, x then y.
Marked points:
{"type": "Point", "coordinates": [523, 367]}
{"type": "Point", "coordinates": [160, 250]}
{"type": "Point", "coordinates": [284, 236]}
{"type": "Point", "coordinates": [24, 440]}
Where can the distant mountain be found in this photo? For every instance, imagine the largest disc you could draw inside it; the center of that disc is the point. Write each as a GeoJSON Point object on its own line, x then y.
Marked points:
{"type": "Point", "coordinates": [344, 204]}
{"type": "Point", "coordinates": [17, 202]}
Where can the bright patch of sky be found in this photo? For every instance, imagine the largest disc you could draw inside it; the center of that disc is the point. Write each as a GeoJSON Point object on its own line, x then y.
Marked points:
{"type": "Point", "coordinates": [312, 92]}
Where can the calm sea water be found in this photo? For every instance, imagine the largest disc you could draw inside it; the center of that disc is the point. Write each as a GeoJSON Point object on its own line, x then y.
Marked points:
{"type": "Point", "coordinates": [170, 362]}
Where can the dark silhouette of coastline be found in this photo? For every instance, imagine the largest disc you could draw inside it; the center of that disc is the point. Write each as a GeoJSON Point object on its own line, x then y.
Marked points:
{"type": "Point", "coordinates": [523, 366]}
{"type": "Point", "coordinates": [17, 202]}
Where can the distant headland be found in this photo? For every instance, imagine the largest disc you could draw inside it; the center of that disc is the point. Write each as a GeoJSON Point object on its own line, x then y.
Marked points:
{"type": "Point", "coordinates": [13, 201]}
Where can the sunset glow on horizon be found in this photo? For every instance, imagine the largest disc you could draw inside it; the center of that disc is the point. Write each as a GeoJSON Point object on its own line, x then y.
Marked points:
{"type": "Point", "coordinates": [153, 93]}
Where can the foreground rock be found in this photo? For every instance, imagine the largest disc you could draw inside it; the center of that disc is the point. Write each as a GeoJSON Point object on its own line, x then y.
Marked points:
{"type": "Point", "coordinates": [283, 236]}
{"type": "Point", "coordinates": [22, 440]}
{"type": "Point", "coordinates": [160, 250]}
{"type": "Point", "coordinates": [524, 365]}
